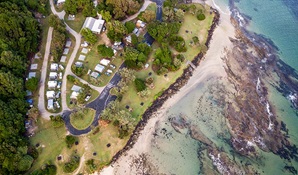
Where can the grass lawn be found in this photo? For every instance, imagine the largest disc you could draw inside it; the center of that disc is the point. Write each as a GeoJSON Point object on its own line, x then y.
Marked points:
{"type": "Point", "coordinates": [82, 118]}
{"type": "Point", "coordinates": [69, 84]}
{"type": "Point", "coordinates": [76, 24]}
{"type": "Point", "coordinates": [92, 59]}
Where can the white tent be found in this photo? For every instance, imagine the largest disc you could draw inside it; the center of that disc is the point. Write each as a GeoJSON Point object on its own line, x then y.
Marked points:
{"type": "Point", "coordinates": [50, 104]}
{"type": "Point", "coordinates": [54, 67]}
{"type": "Point", "coordinates": [94, 74]}
{"type": "Point", "coordinates": [104, 62]}
{"type": "Point", "coordinates": [74, 95]}
{"type": "Point", "coordinates": [65, 51]}
{"type": "Point", "coordinates": [84, 50]}
{"type": "Point", "coordinates": [33, 66]}
{"type": "Point", "coordinates": [76, 88]}
{"type": "Point", "coordinates": [99, 68]}
{"type": "Point", "coordinates": [60, 1]}
{"type": "Point", "coordinates": [50, 94]}
{"type": "Point", "coordinates": [52, 84]}
{"type": "Point", "coordinates": [63, 59]}
{"type": "Point", "coordinates": [78, 64]}
{"type": "Point", "coordinates": [31, 75]}
{"type": "Point", "coordinates": [68, 44]}
{"type": "Point", "coordinates": [82, 57]}
{"type": "Point", "coordinates": [53, 75]}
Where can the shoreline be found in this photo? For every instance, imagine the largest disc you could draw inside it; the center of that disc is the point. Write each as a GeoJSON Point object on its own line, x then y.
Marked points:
{"type": "Point", "coordinates": [168, 93]}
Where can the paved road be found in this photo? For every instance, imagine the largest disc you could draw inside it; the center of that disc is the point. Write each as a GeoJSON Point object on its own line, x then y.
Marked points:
{"type": "Point", "coordinates": [143, 8]}
{"type": "Point", "coordinates": [41, 98]}
{"type": "Point", "coordinates": [159, 4]}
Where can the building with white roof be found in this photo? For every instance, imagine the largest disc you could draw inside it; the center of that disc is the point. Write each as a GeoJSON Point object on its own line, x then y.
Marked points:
{"type": "Point", "coordinates": [140, 24]}
{"type": "Point", "coordinates": [99, 68]}
{"type": "Point", "coordinates": [74, 95]}
{"type": "Point", "coordinates": [79, 64]}
{"type": "Point", "coordinates": [31, 75]}
{"type": "Point", "coordinates": [95, 25]}
{"type": "Point", "coordinates": [33, 66]}
{"type": "Point", "coordinates": [54, 67]}
{"type": "Point", "coordinates": [52, 84]}
{"type": "Point", "coordinates": [53, 75]}
{"type": "Point", "coordinates": [85, 50]}
{"type": "Point", "coordinates": [94, 75]}
{"type": "Point", "coordinates": [65, 51]}
{"type": "Point", "coordinates": [50, 94]}
{"type": "Point", "coordinates": [82, 57]}
{"type": "Point", "coordinates": [76, 88]}
{"type": "Point", "coordinates": [63, 59]}
{"type": "Point", "coordinates": [104, 62]}
{"type": "Point", "coordinates": [68, 43]}
{"type": "Point", "coordinates": [50, 104]}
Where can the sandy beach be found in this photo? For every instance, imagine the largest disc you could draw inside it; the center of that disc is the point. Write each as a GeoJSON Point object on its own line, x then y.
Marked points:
{"type": "Point", "coordinates": [212, 66]}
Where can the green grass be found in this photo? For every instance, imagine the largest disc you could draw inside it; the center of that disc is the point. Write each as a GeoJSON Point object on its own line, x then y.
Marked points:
{"type": "Point", "coordinates": [82, 119]}
{"type": "Point", "coordinates": [69, 84]}
{"type": "Point", "coordinates": [151, 7]}
{"type": "Point", "coordinates": [76, 24]}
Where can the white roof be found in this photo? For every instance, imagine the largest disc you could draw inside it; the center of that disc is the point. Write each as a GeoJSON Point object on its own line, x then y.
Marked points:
{"type": "Point", "coordinates": [33, 66]}
{"type": "Point", "coordinates": [54, 66]}
{"type": "Point", "coordinates": [36, 56]}
{"type": "Point", "coordinates": [65, 51]}
{"type": "Point", "coordinates": [94, 74]}
{"type": "Point", "coordinates": [60, 1]}
{"type": "Point", "coordinates": [68, 44]}
{"type": "Point", "coordinates": [74, 95]}
{"type": "Point", "coordinates": [63, 59]}
{"type": "Point", "coordinates": [85, 50]}
{"type": "Point", "coordinates": [85, 44]}
{"type": "Point", "coordinates": [78, 64]}
{"type": "Point", "coordinates": [31, 74]}
{"type": "Point", "coordinates": [95, 25]}
{"type": "Point", "coordinates": [109, 71]}
{"type": "Point", "coordinates": [50, 94]}
{"type": "Point", "coordinates": [82, 57]}
{"type": "Point", "coordinates": [135, 30]}
{"type": "Point", "coordinates": [104, 62]}
{"type": "Point", "coordinates": [76, 88]}
{"type": "Point", "coordinates": [128, 38]}
{"type": "Point", "coordinates": [117, 43]}
{"type": "Point", "coordinates": [141, 23]}
{"type": "Point", "coordinates": [52, 84]}
{"type": "Point", "coordinates": [50, 104]}
{"type": "Point", "coordinates": [99, 68]}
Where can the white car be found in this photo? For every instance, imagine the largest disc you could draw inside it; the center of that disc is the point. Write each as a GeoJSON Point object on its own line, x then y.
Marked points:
{"type": "Point", "coordinates": [112, 66]}
{"type": "Point", "coordinates": [61, 67]}
{"type": "Point", "coordinates": [57, 104]}
{"type": "Point", "coordinates": [59, 84]}
{"type": "Point", "coordinates": [88, 98]}
{"type": "Point", "coordinates": [60, 75]}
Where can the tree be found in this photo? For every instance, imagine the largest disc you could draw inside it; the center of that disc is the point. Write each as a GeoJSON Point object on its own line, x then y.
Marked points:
{"type": "Point", "coordinates": [201, 16]}
{"type": "Point", "coordinates": [195, 39]}
{"type": "Point", "coordinates": [121, 8]}
{"type": "Point", "coordinates": [105, 51]}
{"type": "Point", "coordinates": [32, 84]}
{"type": "Point", "coordinates": [140, 85]}
{"type": "Point", "coordinates": [148, 16]}
{"type": "Point", "coordinates": [144, 48]}
{"type": "Point", "coordinates": [57, 121]}
{"type": "Point", "coordinates": [106, 15]}
{"type": "Point", "coordinates": [71, 7]}
{"type": "Point", "coordinates": [33, 113]}
{"type": "Point", "coordinates": [25, 163]}
{"type": "Point", "coordinates": [134, 39]}
{"type": "Point", "coordinates": [144, 93]}
{"type": "Point", "coordinates": [116, 30]}
{"type": "Point", "coordinates": [127, 75]}
{"type": "Point", "coordinates": [89, 36]}
{"type": "Point", "coordinates": [130, 26]}
{"type": "Point", "coordinates": [70, 140]}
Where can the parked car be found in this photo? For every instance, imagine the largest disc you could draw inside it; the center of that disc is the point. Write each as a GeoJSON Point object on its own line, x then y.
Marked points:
{"type": "Point", "coordinates": [57, 104]}
{"type": "Point", "coordinates": [60, 75]}
{"type": "Point", "coordinates": [87, 97]}
{"type": "Point", "coordinates": [58, 94]}
{"type": "Point", "coordinates": [61, 67]}
{"type": "Point", "coordinates": [112, 66]}
{"type": "Point", "coordinates": [108, 74]}
{"type": "Point", "coordinates": [59, 84]}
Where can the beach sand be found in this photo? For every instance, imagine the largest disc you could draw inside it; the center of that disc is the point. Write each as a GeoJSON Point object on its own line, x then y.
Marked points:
{"type": "Point", "coordinates": [211, 67]}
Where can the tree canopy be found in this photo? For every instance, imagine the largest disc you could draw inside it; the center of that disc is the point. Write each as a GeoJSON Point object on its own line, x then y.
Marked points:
{"type": "Point", "coordinates": [19, 36]}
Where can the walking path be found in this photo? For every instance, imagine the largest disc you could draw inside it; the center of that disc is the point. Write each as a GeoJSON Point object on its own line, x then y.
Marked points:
{"type": "Point", "coordinates": [41, 97]}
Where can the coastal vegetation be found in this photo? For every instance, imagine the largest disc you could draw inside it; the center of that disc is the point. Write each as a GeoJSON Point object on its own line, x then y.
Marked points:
{"type": "Point", "coordinates": [19, 36]}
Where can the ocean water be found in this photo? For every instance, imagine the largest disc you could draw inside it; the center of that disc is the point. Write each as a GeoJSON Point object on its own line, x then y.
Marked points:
{"type": "Point", "coordinates": [177, 153]}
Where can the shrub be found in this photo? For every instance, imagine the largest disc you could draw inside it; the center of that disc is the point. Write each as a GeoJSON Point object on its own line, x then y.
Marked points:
{"type": "Point", "coordinates": [105, 51]}
{"type": "Point", "coordinates": [71, 78]}
{"type": "Point", "coordinates": [140, 85]}
{"type": "Point", "coordinates": [25, 163]}
{"type": "Point", "coordinates": [57, 121]}
{"type": "Point", "coordinates": [70, 140]}
{"type": "Point", "coordinates": [201, 16]}
{"type": "Point", "coordinates": [72, 164]}
{"type": "Point", "coordinates": [91, 165]}
{"type": "Point", "coordinates": [32, 84]}
{"type": "Point", "coordinates": [130, 26]}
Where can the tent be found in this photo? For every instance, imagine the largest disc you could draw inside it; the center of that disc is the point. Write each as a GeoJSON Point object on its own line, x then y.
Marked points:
{"type": "Point", "coordinates": [50, 94]}
{"type": "Point", "coordinates": [94, 75]}
{"type": "Point", "coordinates": [104, 62]}
{"type": "Point", "coordinates": [54, 67]}
{"type": "Point", "coordinates": [52, 84]}
{"type": "Point", "coordinates": [53, 75]}
{"type": "Point", "coordinates": [99, 68]}
{"type": "Point", "coordinates": [50, 104]}
{"type": "Point", "coordinates": [74, 95]}
{"type": "Point", "coordinates": [76, 88]}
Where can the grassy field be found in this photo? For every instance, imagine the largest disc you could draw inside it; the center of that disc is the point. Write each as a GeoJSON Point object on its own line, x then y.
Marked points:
{"type": "Point", "coordinates": [92, 59]}
{"type": "Point", "coordinates": [94, 94]}
{"type": "Point", "coordinates": [82, 119]}
{"type": "Point", "coordinates": [77, 23]}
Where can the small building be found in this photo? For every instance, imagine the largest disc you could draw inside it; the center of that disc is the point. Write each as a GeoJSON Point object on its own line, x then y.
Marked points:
{"type": "Point", "coordinates": [68, 43]}
{"type": "Point", "coordinates": [79, 64]}
{"type": "Point", "coordinates": [53, 76]}
{"type": "Point", "coordinates": [104, 62]}
{"type": "Point", "coordinates": [33, 66]}
{"type": "Point", "coordinates": [95, 25]}
{"type": "Point", "coordinates": [76, 88]}
{"type": "Point", "coordinates": [85, 50]}
{"type": "Point", "coordinates": [50, 94]}
{"type": "Point", "coordinates": [82, 57]}
{"type": "Point", "coordinates": [99, 68]}
{"type": "Point", "coordinates": [59, 2]}
{"type": "Point", "coordinates": [63, 59]}
{"type": "Point", "coordinates": [31, 75]}
{"type": "Point", "coordinates": [50, 104]}
{"type": "Point", "coordinates": [135, 31]}
{"type": "Point", "coordinates": [54, 67]}
{"type": "Point", "coordinates": [74, 95]}
{"type": "Point", "coordinates": [61, 67]}
{"type": "Point", "coordinates": [94, 75]}
{"type": "Point", "coordinates": [128, 39]}
{"type": "Point", "coordinates": [84, 44]}
{"type": "Point", "coordinates": [140, 24]}
{"type": "Point", "coordinates": [65, 51]}
{"type": "Point", "coordinates": [52, 84]}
